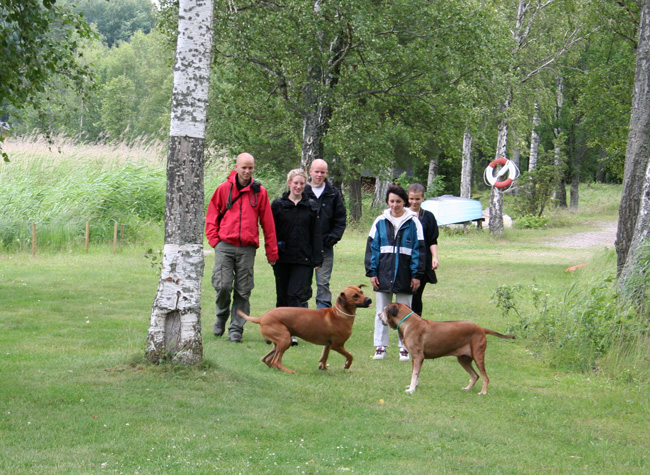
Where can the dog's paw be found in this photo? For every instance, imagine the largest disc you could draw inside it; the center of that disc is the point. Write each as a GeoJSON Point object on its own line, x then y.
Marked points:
{"type": "Point", "coordinates": [409, 390]}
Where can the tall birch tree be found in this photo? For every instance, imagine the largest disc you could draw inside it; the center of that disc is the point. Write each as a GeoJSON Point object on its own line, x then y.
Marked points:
{"type": "Point", "coordinates": [638, 145]}
{"type": "Point", "coordinates": [175, 327]}
{"type": "Point", "coordinates": [466, 167]}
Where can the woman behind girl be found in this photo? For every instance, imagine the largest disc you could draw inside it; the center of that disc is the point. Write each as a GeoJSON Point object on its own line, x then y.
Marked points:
{"type": "Point", "coordinates": [430, 229]}
{"type": "Point", "coordinates": [394, 262]}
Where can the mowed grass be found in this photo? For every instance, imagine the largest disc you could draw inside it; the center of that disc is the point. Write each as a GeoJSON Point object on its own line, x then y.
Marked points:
{"type": "Point", "coordinates": [77, 397]}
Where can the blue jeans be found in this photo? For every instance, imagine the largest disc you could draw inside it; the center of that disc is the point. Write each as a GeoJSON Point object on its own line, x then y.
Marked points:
{"type": "Point", "coordinates": [323, 275]}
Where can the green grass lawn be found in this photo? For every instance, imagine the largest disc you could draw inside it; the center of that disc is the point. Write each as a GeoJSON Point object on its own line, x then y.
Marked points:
{"type": "Point", "coordinates": [77, 397]}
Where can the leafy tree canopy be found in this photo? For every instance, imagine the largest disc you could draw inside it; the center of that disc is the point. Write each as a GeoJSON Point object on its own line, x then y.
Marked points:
{"type": "Point", "coordinates": [117, 20]}
{"type": "Point", "coordinates": [38, 40]}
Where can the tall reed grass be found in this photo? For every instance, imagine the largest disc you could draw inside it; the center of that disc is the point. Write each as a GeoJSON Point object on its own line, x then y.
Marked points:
{"type": "Point", "coordinates": [61, 186]}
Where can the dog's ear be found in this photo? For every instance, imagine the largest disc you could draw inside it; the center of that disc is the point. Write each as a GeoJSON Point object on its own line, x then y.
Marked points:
{"type": "Point", "coordinates": [341, 300]}
{"type": "Point", "coordinates": [393, 309]}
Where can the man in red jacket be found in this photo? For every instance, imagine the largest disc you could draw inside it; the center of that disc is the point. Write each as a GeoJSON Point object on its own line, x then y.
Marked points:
{"type": "Point", "coordinates": [231, 226]}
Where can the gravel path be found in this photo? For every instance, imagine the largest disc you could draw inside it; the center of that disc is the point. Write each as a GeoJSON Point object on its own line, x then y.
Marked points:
{"type": "Point", "coordinates": [603, 235]}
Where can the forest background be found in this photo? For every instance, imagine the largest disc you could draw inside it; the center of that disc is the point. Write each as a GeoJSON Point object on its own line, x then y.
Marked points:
{"type": "Point", "coordinates": [396, 88]}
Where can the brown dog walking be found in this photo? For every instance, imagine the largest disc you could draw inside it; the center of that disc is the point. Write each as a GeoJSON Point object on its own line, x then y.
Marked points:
{"type": "Point", "coordinates": [330, 327]}
{"type": "Point", "coordinates": [428, 339]}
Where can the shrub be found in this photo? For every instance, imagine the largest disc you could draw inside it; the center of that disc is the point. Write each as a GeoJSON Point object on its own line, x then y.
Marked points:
{"type": "Point", "coordinates": [577, 329]}
{"type": "Point", "coordinates": [532, 222]}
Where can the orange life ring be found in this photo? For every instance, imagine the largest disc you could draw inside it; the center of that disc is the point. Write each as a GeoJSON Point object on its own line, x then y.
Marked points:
{"type": "Point", "coordinates": [508, 166]}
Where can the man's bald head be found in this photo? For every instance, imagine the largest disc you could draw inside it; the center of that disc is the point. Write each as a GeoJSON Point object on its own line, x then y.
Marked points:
{"type": "Point", "coordinates": [245, 166]}
{"type": "Point", "coordinates": [318, 172]}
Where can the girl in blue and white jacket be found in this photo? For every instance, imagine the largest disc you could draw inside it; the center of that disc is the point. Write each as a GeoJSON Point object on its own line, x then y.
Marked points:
{"type": "Point", "coordinates": [395, 256]}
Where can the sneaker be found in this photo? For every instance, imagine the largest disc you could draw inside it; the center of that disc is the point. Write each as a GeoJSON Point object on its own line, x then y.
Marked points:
{"type": "Point", "coordinates": [219, 327]}
{"type": "Point", "coordinates": [294, 341]}
{"type": "Point", "coordinates": [380, 353]}
{"type": "Point", "coordinates": [235, 337]}
{"type": "Point", "coordinates": [404, 354]}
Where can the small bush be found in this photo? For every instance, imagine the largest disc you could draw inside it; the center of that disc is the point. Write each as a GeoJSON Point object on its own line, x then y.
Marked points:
{"type": "Point", "coordinates": [532, 222]}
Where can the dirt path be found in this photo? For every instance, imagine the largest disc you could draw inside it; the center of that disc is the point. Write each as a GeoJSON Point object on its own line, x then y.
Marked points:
{"type": "Point", "coordinates": [604, 235]}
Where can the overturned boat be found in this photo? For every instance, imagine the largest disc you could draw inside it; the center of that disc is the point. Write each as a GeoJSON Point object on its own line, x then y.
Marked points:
{"type": "Point", "coordinates": [449, 209]}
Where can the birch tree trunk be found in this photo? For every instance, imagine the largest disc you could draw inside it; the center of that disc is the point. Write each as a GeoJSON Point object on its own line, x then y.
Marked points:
{"type": "Point", "coordinates": [433, 172]}
{"type": "Point", "coordinates": [633, 265]}
{"type": "Point", "coordinates": [315, 121]}
{"type": "Point", "coordinates": [466, 170]}
{"type": "Point", "coordinates": [534, 141]}
{"type": "Point", "coordinates": [560, 192]}
{"type": "Point", "coordinates": [638, 142]}
{"type": "Point", "coordinates": [496, 195]}
{"type": "Point", "coordinates": [381, 187]}
{"type": "Point", "coordinates": [575, 177]}
{"type": "Point", "coordinates": [354, 198]}
{"type": "Point", "coordinates": [175, 326]}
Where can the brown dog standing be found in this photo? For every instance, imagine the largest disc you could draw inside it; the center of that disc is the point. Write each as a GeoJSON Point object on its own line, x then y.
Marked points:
{"type": "Point", "coordinates": [428, 339]}
{"type": "Point", "coordinates": [330, 327]}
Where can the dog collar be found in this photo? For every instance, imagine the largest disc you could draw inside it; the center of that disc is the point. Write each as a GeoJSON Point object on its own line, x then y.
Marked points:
{"type": "Point", "coordinates": [346, 314]}
{"type": "Point", "coordinates": [397, 328]}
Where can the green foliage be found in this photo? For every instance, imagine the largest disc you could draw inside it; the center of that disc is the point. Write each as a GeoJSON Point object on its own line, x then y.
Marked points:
{"type": "Point", "coordinates": [394, 78]}
{"type": "Point", "coordinates": [39, 41]}
{"type": "Point", "coordinates": [535, 188]}
{"type": "Point", "coordinates": [575, 329]}
{"type": "Point", "coordinates": [532, 222]}
{"type": "Point", "coordinates": [603, 80]}
{"type": "Point", "coordinates": [134, 84]}
{"type": "Point", "coordinates": [117, 20]}
{"type": "Point", "coordinates": [117, 108]}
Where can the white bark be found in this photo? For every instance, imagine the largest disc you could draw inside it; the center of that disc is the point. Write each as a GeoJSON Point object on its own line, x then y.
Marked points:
{"type": "Point", "coordinates": [466, 170]}
{"type": "Point", "coordinates": [560, 192]}
{"type": "Point", "coordinates": [433, 172]}
{"type": "Point", "coordinates": [534, 140]}
{"type": "Point", "coordinates": [192, 69]}
{"type": "Point", "coordinates": [496, 196]}
{"type": "Point", "coordinates": [175, 325]}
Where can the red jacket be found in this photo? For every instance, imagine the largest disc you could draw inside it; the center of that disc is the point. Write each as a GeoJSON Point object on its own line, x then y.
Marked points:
{"type": "Point", "coordinates": [239, 224]}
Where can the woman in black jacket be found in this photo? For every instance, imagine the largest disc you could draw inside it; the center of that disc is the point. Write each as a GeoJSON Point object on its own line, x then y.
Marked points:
{"type": "Point", "coordinates": [299, 242]}
{"type": "Point", "coordinates": [430, 229]}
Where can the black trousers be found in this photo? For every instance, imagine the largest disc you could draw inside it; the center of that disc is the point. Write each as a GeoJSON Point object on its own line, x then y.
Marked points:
{"type": "Point", "coordinates": [416, 303]}
{"type": "Point", "coordinates": [292, 284]}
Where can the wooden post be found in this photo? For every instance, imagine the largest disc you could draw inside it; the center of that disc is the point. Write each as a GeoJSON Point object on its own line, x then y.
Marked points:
{"type": "Point", "coordinates": [87, 234]}
{"type": "Point", "coordinates": [115, 237]}
{"type": "Point", "coordinates": [33, 239]}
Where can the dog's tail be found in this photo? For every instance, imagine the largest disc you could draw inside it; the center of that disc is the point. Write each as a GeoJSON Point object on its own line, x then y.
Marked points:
{"type": "Point", "coordinates": [250, 319]}
{"type": "Point", "coordinates": [490, 332]}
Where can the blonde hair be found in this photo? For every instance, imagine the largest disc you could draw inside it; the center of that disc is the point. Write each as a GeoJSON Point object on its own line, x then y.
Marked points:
{"type": "Point", "coordinates": [296, 172]}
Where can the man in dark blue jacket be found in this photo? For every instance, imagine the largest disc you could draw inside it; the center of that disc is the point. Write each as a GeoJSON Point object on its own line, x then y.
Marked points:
{"type": "Point", "coordinates": [333, 217]}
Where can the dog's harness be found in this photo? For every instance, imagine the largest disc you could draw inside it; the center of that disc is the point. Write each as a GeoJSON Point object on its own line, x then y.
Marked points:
{"type": "Point", "coordinates": [397, 328]}
{"type": "Point", "coordinates": [346, 314]}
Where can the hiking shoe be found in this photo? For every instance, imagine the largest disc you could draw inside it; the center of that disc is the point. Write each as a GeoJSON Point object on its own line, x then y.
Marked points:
{"type": "Point", "coordinates": [235, 337]}
{"type": "Point", "coordinates": [380, 353]}
{"type": "Point", "coordinates": [294, 341]}
{"type": "Point", "coordinates": [404, 354]}
{"type": "Point", "coordinates": [219, 327]}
